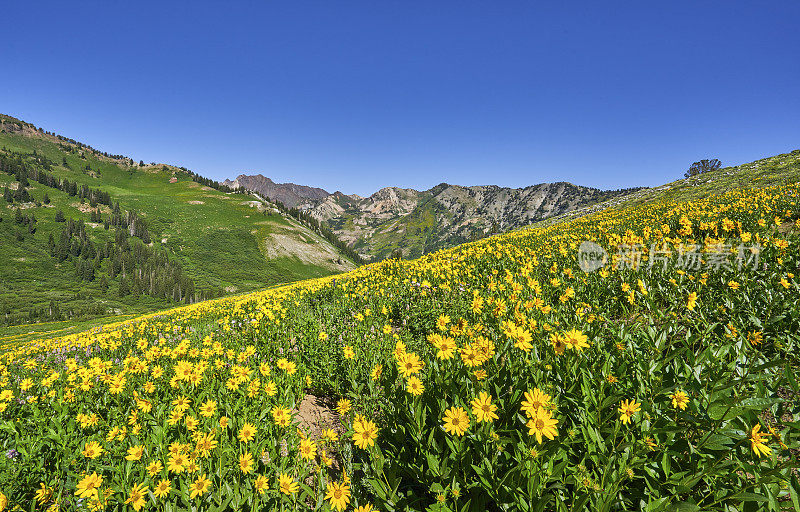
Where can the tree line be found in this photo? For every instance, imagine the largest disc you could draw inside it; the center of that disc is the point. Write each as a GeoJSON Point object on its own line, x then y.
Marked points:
{"type": "Point", "coordinates": [208, 182]}
{"type": "Point", "coordinates": [129, 258]}
{"type": "Point", "coordinates": [15, 164]}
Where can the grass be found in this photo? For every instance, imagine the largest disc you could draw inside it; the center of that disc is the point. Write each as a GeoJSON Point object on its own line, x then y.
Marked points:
{"type": "Point", "coordinates": [218, 237]}
{"type": "Point", "coordinates": [775, 170]}
{"type": "Point", "coordinates": [497, 375]}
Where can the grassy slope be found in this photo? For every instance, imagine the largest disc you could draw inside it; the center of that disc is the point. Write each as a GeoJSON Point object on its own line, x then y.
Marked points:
{"type": "Point", "coordinates": [765, 172]}
{"type": "Point", "coordinates": [769, 171]}
{"type": "Point", "coordinates": [585, 405]}
{"type": "Point", "coordinates": [219, 242]}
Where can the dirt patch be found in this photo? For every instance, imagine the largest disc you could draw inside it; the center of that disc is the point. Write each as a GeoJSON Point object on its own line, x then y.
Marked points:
{"type": "Point", "coordinates": [786, 227]}
{"type": "Point", "coordinates": [196, 202]}
{"type": "Point", "coordinates": [317, 414]}
{"type": "Point", "coordinates": [318, 253]}
{"type": "Point", "coordinates": [255, 204]}
{"type": "Point", "coordinates": [21, 206]}
{"type": "Point", "coordinates": [86, 208]}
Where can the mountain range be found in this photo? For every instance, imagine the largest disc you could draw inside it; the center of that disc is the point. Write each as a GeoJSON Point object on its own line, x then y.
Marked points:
{"type": "Point", "coordinates": [86, 234]}
{"type": "Point", "coordinates": [416, 222]}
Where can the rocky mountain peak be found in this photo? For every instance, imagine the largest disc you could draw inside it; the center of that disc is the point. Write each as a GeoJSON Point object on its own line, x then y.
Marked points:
{"type": "Point", "coordinates": [418, 222]}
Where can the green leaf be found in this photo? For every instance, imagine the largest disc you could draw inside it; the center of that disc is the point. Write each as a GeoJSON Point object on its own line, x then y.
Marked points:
{"type": "Point", "coordinates": [656, 505]}
{"type": "Point", "coordinates": [791, 378]}
{"type": "Point", "coordinates": [377, 487]}
{"type": "Point", "coordinates": [433, 463]}
{"type": "Point", "coordinates": [558, 470]}
{"type": "Point", "coordinates": [723, 410]}
{"type": "Point", "coordinates": [758, 403]}
{"type": "Point", "coordinates": [750, 496]}
{"type": "Point", "coordinates": [683, 506]}
{"type": "Point", "coordinates": [482, 476]}
{"type": "Point", "coordinates": [718, 442]}
{"type": "Point", "coordinates": [794, 490]}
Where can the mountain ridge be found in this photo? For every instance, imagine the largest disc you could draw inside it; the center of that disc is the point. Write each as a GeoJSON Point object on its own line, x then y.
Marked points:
{"type": "Point", "coordinates": [415, 222]}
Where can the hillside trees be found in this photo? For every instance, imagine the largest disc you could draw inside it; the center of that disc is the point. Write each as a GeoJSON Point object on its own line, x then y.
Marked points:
{"type": "Point", "coordinates": [125, 256]}
{"type": "Point", "coordinates": [142, 269]}
{"type": "Point", "coordinates": [703, 166]}
{"type": "Point", "coordinates": [34, 167]}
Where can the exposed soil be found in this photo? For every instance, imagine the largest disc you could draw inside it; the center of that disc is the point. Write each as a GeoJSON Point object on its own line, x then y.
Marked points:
{"type": "Point", "coordinates": [317, 414]}
{"type": "Point", "coordinates": [321, 253]}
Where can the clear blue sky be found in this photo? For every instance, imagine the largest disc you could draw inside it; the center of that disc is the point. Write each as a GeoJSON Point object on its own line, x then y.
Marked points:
{"type": "Point", "coordinates": [357, 95]}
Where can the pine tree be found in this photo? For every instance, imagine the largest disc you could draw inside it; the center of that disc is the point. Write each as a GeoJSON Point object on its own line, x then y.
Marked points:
{"type": "Point", "coordinates": [123, 287]}
{"type": "Point", "coordinates": [88, 272]}
{"type": "Point", "coordinates": [62, 249]}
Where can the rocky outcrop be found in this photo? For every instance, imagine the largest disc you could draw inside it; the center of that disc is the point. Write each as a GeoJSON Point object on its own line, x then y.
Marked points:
{"type": "Point", "coordinates": [418, 222]}
{"type": "Point", "coordinates": [289, 194]}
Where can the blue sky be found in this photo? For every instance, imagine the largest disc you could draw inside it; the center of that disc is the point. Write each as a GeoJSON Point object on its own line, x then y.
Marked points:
{"type": "Point", "coordinates": [354, 96]}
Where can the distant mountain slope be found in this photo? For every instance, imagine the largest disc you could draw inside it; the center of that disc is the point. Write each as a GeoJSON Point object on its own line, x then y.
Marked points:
{"type": "Point", "coordinates": [418, 222]}
{"type": "Point", "coordinates": [287, 193]}
{"type": "Point", "coordinates": [134, 237]}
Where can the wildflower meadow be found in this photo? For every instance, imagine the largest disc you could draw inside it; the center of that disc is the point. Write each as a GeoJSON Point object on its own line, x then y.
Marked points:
{"type": "Point", "coordinates": [498, 375]}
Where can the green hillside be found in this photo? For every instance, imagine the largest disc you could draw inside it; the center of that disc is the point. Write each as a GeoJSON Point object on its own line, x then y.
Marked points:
{"type": "Point", "coordinates": [774, 170]}
{"type": "Point", "coordinates": [498, 375]}
{"type": "Point", "coordinates": [190, 241]}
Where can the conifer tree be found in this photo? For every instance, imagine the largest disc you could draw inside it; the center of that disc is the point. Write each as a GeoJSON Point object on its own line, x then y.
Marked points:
{"type": "Point", "coordinates": [123, 287]}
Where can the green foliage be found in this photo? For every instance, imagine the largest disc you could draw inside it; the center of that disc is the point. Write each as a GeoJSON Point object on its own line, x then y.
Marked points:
{"type": "Point", "coordinates": [703, 166]}
{"type": "Point", "coordinates": [220, 242]}
{"type": "Point", "coordinates": [657, 379]}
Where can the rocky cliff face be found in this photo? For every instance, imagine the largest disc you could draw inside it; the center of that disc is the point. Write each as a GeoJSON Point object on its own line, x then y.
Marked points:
{"type": "Point", "coordinates": [289, 194]}
{"type": "Point", "coordinates": [418, 222]}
